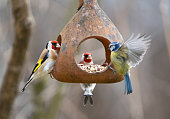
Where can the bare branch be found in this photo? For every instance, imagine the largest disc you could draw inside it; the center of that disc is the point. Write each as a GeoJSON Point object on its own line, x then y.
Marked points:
{"type": "Point", "coordinates": [164, 6]}
{"type": "Point", "coordinates": [23, 22]}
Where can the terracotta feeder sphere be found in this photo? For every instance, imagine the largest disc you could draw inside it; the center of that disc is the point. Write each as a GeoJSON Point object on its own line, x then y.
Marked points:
{"type": "Point", "coordinates": [90, 21]}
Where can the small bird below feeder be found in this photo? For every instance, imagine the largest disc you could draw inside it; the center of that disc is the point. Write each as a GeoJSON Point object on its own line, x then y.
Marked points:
{"type": "Point", "coordinates": [87, 61]}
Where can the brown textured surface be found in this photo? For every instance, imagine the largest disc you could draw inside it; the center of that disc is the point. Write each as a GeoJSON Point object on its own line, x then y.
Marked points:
{"type": "Point", "coordinates": [89, 22]}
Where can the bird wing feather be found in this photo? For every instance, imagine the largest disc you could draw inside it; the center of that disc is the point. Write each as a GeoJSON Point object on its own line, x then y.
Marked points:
{"type": "Point", "coordinates": [40, 61]}
{"type": "Point", "coordinates": [136, 48]}
{"type": "Point", "coordinates": [44, 52]}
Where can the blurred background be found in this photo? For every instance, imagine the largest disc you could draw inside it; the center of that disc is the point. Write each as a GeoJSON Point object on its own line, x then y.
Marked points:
{"type": "Point", "coordinates": [49, 99]}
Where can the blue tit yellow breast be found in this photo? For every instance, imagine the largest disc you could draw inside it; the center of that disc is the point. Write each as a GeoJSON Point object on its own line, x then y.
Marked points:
{"type": "Point", "coordinates": [119, 60]}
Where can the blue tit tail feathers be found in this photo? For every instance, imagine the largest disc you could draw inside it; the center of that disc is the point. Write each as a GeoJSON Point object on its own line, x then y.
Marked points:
{"type": "Point", "coordinates": [128, 85]}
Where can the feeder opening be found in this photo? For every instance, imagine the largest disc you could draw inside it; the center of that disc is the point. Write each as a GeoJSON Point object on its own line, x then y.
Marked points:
{"type": "Point", "coordinates": [97, 49]}
{"type": "Point", "coordinates": [59, 39]}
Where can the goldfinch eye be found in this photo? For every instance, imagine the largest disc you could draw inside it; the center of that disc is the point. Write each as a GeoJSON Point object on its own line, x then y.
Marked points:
{"type": "Point", "coordinates": [85, 56]}
{"type": "Point", "coordinates": [54, 44]}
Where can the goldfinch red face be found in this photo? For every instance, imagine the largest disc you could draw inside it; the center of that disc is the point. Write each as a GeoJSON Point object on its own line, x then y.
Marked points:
{"type": "Point", "coordinates": [54, 45]}
{"type": "Point", "coordinates": [87, 57]}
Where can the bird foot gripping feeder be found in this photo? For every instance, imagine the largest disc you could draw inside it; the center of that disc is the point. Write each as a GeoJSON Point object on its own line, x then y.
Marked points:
{"type": "Point", "coordinates": [89, 22]}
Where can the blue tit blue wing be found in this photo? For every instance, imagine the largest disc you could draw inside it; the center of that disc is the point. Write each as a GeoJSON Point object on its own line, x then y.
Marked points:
{"type": "Point", "coordinates": [136, 48]}
{"type": "Point", "coordinates": [128, 85]}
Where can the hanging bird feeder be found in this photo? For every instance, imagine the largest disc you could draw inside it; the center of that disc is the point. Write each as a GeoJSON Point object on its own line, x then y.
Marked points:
{"type": "Point", "coordinates": [90, 22]}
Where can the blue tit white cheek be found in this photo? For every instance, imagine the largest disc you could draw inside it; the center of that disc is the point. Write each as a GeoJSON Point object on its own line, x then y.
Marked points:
{"type": "Point", "coordinates": [112, 48]}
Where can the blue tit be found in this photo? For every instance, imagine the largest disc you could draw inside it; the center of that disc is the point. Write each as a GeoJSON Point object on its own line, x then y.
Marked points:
{"type": "Point", "coordinates": [45, 62]}
{"type": "Point", "coordinates": [127, 55]}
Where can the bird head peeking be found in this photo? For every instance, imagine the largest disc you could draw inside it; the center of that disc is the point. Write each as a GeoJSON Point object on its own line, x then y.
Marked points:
{"type": "Point", "coordinates": [114, 46]}
{"type": "Point", "coordinates": [87, 58]}
{"type": "Point", "coordinates": [52, 45]}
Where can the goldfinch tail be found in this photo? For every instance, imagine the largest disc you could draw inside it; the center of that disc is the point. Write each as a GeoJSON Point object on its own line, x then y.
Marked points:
{"type": "Point", "coordinates": [30, 79]}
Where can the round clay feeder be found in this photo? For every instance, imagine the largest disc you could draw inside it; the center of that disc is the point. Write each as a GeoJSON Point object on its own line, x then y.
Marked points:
{"type": "Point", "coordinates": [90, 22]}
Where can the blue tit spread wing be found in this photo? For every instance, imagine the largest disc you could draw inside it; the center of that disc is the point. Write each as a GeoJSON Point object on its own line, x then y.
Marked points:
{"type": "Point", "coordinates": [136, 48]}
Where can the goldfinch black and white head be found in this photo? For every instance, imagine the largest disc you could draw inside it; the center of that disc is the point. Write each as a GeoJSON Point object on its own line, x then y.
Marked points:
{"type": "Point", "coordinates": [87, 58]}
{"type": "Point", "coordinates": [52, 45]}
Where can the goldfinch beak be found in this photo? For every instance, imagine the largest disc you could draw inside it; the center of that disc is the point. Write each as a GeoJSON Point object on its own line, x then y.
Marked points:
{"type": "Point", "coordinates": [57, 46]}
{"type": "Point", "coordinates": [89, 57]}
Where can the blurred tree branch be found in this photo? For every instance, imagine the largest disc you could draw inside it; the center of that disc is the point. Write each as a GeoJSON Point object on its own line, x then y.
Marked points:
{"type": "Point", "coordinates": [164, 5]}
{"type": "Point", "coordinates": [23, 22]}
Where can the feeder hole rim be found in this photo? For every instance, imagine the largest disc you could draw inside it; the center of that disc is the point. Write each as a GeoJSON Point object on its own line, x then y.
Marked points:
{"type": "Point", "coordinates": [101, 39]}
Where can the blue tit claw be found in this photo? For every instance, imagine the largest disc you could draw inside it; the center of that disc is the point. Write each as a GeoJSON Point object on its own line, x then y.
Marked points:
{"type": "Point", "coordinates": [114, 71]}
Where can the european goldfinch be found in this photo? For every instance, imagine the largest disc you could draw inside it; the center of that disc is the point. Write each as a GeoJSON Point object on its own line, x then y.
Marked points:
{"type": "Point", "coordinates": [128, 55]}
{"type": "Point", "coordinates": [88, 88]}
{"type": "Point", "coordinates": [45, 62]}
